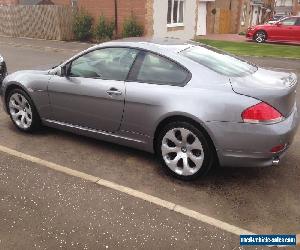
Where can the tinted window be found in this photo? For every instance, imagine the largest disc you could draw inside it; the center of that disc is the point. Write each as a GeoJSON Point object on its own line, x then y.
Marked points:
{"type": "Point", "coordinates": [298, 22]}
{"type": "Point", "coordinates": [109, 63]}
{"type": "Point", "coordinates": [219, 61]}
{"type": "Point", "coordinates": [289, 21]}
{"type": "Point", "coordinates": [159, 70]}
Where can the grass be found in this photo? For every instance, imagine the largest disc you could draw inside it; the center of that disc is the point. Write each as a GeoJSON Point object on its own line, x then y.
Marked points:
{"type": "Point", "coordinates": [254, 49]}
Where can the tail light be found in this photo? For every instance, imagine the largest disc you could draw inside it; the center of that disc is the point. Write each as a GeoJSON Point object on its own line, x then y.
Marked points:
{"type": "Point", "coordinates": [261, 113]}
{"type": "Point", "coordinates": [278, 148]}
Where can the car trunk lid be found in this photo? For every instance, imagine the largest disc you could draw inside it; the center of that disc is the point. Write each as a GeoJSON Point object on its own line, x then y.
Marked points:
{"type": "Point", "coordinates": [275, 88]}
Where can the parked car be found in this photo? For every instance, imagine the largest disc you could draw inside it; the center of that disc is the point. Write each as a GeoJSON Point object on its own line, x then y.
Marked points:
{"type": "Point", "coordinates": [192, 105]}
{"type": "Point", "coordinates": [3, 70]}
{"type": "Point", "coordinates": [276, 18]}
{"type": "Point", "coordinates": [285, 30]}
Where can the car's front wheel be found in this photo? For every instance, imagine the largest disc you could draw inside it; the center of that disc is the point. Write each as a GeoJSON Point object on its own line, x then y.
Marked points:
{"type": "Point", "coordinates": [260, 36]}
{"type": "Point", "coordinates": [184, 151]}
{"type": "Point", "coordinates": [22, 111]}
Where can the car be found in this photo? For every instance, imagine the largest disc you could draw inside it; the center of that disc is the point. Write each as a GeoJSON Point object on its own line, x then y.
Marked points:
{"type": "Point", "coordinates": [276, 18]}
{"type": "Point", "coordinates": [284, 30]}
{"type": "Point", "coordinates": [3, 70]}
{"type": "Point", "coordinates": [192, 105]}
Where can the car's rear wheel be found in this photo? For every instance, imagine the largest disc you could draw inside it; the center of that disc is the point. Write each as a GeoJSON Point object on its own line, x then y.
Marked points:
{"type": "Point", "coordinates": [184, 151]}
{"type": "Point", "coordinates": [22, 111]}
{"type": "Point", "coordinates": [260, 36]}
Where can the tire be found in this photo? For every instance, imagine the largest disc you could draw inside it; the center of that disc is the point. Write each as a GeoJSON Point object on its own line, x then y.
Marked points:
{"type": "Point", "coordinates": [260, 36]}
{"type": "Point", "coordinates": [22, 111]}
{"type": "Point", "coordinates": [184, 151]}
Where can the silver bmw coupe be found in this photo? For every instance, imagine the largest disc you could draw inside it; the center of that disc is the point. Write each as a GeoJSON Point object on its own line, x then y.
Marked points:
{"type": "Point", "coordinates": [190, 104]}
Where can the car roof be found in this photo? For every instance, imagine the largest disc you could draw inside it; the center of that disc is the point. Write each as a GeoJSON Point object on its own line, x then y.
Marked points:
{"type": "Point", "coordinates": [156, 44]}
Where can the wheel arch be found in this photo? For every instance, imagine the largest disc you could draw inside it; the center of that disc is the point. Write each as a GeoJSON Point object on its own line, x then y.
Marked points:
{"type": "Point", "coordinates": [199, 125]}
{"type": "Point", "coordinates": [12, 86]}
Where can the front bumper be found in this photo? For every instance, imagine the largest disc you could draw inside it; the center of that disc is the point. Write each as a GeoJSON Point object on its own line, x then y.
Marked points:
{"type": "Point", "coordinates": [249, 35]}
{"type": "Point", "coordinates": [3, 73]}
{"type": "Point", "coordinates": [249, 145]}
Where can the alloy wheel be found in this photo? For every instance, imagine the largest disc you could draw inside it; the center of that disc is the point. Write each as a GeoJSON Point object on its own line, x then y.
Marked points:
{"type": "Point", "coordinates": [20, 110]}
{"type": "Point", "coordinates": [182, 151]}
{"type": "Point", "coordinates": [260, 37]}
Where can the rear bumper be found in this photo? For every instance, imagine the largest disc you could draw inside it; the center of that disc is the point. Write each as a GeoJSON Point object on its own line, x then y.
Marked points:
{"type": "Point", "coordinates": [249, 145]}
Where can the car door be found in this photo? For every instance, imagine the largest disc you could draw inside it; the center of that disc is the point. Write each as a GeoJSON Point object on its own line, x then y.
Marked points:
{"type": "Point", "coordinates": [92, 93]}
{"type": "Point", "coordinates": [286, 29]}
{"type": "Point", "coordinates": [296, 31]}
{"type": "Point", "coordinates": [154, 82]}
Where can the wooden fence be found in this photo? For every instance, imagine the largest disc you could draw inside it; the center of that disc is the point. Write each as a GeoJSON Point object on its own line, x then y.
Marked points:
{"type": "Point", "coordinates": [37, 21]}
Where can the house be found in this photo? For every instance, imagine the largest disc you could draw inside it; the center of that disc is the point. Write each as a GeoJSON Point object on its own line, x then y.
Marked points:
{"type": "Point", "coordinates": [8, 2]}
{"type": "Point", "coordinates": [297, 7]}
{"type": "Point", "coordinates": [25, 2]}
{"type": "Point", "coordinates": [171, 18]}
{"type": "Point", "coordinates": [255, 12]}
{"type": "Point", "coordinates": [284, 7]}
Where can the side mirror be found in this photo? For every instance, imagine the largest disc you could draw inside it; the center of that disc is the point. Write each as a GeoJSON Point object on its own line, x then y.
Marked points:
{"type": "Point", "coordinates": [278, 24]}
{"type": "Point", "coordinates": [63, 70]}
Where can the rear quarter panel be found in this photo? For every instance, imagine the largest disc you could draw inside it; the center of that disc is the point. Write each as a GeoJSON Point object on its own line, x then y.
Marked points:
{"type": "Point", "coordinates": [207, 97]}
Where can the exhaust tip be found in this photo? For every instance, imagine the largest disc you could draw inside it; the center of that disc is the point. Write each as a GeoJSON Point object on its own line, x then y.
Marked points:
{"type": "Point", "coordinates": [275, 162]}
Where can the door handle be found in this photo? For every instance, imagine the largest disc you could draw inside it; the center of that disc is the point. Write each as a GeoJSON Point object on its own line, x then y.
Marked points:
{"type": "Point", "coordinates": [113, 91]}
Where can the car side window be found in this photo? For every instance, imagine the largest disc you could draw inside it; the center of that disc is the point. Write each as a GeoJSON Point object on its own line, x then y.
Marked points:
{"type": "Point", "coordinates": [159, 70]}
{"type": "Point", "coordinates": [289, 21]}
{"type": "Point", "coordinates": [107, 64]}
{"type": "Point", "coordinates": [298, 22]}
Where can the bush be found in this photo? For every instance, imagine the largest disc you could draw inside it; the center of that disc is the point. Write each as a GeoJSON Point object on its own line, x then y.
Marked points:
{"type": "Point", "coordinates": [131, 28]}
{"type": "Point", "coordinates": [104, 29]}
{"type": "Point", "coordinates": [82, 25]}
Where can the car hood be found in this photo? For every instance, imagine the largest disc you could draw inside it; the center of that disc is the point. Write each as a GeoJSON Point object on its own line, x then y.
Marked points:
{"type": "Point", "coordinates": [24, 73]}
{"type": "Point", "coordinates": [275, 88]}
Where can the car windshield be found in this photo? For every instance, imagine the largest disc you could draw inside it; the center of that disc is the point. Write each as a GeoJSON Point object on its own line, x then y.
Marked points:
{"type": "Point", "coordinates": [219, 61]}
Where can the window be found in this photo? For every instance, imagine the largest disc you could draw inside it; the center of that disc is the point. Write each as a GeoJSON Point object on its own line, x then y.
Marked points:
{"type": "Point", "coordinates": [108, 64]}
{"type": "Point", "coordinates": [219, 61]}
{"type": "Point", "coordinates": [289, 21]}
{"type": "Point", "coordinates": [159, 70]}
{"type": "Point", "coordinates": [282, 3]}
{"type": "Point", "coordinates": [298, 22]}
{"type": "Point", "coordinates": [175, 12]}
{"type": "Point", "coordinates": [74, 3]}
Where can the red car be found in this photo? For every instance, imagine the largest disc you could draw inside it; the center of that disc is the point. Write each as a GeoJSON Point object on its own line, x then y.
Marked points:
{"type": "Point", "coordinates": [285, 30]}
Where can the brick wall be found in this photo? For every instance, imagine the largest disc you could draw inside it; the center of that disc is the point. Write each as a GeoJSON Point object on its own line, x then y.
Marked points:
{"type": "Point", "coordinates": [62, 2]}
{"type": "Point", "coordinates": [9, 2]}
{"type": "Point", "coordinates": [140, 8]}
{"type": "Point", "coordinates": [149, 22]}
{"type": "Point", "coordinates": [296, 8]}
{"type": "Point", "coordinates": [126, 7]}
